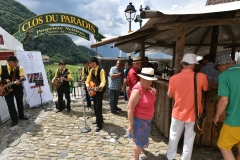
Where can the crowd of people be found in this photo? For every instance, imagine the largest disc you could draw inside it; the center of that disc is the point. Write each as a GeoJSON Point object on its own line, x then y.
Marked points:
{"type": "Point", "coordinates": [135, 81]}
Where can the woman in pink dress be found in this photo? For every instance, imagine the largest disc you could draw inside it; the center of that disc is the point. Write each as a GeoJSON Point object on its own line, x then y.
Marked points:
{"type": "Point", "coordinates": [141, 110]}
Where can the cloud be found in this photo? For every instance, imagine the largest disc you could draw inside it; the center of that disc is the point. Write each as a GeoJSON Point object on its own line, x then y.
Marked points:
{"type": "Point", "coordinates": [176, 6]}
{"type": "Point", "coordinates": [108, 15]}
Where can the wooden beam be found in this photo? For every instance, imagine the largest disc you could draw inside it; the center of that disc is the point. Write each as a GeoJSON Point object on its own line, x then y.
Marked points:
{"type": "Point", "coordinates": [179, 48]}
{"type": "Point", "coordinates": [173, 58]}
{"type": "Point", "coordinates": [214, 41]}
{"type": "Point", "coordinates": [230, 34]}
{"type": "Point", "coordinates": [122, 38]}
{"type": "Point", "coordinates": [161, 44]}
{"type": "Point", "coordinates": [202, 40]}
{"type": "Point", "coordinates": [142, 53]}
{"type": "Point", "coordinates": [198, 23]}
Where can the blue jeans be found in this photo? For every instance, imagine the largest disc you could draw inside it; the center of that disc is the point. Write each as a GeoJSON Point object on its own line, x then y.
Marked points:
{"type": "Point", "coordinates": [113, 98]}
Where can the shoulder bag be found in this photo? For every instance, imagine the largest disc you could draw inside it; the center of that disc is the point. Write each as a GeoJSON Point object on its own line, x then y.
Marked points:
{"type": "Point", "coordinates": [199, 117]}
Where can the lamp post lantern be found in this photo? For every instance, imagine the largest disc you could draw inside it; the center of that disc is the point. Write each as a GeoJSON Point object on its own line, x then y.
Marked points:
{"type": "Point", "coordinates": [130, 14]}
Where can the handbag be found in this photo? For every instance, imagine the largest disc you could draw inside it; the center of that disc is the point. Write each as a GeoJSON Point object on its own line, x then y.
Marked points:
{"type": "Point", "coordinates": [199, 117]}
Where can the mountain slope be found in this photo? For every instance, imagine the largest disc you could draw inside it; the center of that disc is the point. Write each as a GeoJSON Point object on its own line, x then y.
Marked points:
{"type": "Point", "coordinates": [57, 47]}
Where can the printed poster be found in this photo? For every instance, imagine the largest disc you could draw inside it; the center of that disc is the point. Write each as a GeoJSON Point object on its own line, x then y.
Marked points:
{"type": "Point", "coordinates": [33, 66]}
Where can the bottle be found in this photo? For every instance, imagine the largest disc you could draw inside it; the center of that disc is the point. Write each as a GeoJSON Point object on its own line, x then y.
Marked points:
{"type": "Point", "coordinates": [163, 73]}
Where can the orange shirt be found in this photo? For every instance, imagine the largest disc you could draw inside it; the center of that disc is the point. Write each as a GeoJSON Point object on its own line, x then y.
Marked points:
{"type": "Point", "coordinates": [181, 86]}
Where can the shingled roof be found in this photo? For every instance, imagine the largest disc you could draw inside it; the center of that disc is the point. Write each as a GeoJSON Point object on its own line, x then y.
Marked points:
{"type": "Point", "coordinates": [213, 2]}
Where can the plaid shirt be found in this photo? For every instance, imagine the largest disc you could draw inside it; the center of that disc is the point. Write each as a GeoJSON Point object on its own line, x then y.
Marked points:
{"type": "Point", "coordinates": [115, 83]}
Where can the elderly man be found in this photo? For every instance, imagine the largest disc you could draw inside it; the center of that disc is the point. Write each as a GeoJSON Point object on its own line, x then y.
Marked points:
{"type": "Point", "coordinates": [229, 92]}
{"type": "Point", "coordinates": [115, 81]}
{"type": "Point", "coordinates": [132, 77]}
{"type": "Point", "coordinates": [181, 88]}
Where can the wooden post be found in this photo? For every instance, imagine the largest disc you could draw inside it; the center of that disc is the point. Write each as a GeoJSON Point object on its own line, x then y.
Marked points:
{"type": "Point", "coordinates": [233, 53]}
{"type": "Point", "coordinates": [180, 42]}
{"type": "Point", "coordinates": [214, 41]}
{"type": "Point", "coordinates": [142, 53]}
{"type": "Point", "coordinates": [174, 56]}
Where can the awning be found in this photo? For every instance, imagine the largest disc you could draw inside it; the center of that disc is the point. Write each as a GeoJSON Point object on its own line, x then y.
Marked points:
{"type": "Point", "coordinates": [159, 33]}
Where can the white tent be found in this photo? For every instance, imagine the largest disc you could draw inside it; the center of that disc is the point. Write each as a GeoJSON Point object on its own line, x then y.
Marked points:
{"type": "Point", "coordinates": [8, 45]}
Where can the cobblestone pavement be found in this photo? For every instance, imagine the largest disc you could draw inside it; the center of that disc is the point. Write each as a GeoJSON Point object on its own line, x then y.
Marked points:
{"type": "Point", "coordinates": [49, 135]}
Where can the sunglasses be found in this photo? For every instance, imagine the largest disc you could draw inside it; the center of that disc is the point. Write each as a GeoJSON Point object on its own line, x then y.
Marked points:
{"type": "Point", "coordinates": [62, 64]}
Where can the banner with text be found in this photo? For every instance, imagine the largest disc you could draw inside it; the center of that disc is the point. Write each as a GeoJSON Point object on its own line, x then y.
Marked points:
{"type": "Point", "coordinates": [33, 66]}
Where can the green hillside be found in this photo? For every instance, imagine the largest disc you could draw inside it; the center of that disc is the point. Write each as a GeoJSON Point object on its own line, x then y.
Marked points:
{"type": "Point", "coordinates": [57, 47]}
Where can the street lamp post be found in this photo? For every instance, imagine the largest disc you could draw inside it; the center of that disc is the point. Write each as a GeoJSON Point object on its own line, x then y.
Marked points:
{"type": "Point", "coordinates": [138, 18]}
{"type": "Point", "coordinates": [130, 14]}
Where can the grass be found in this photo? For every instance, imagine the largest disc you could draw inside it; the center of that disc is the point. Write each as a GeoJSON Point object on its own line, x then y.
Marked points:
{"type": "Point", "coordinates": [72, 68]}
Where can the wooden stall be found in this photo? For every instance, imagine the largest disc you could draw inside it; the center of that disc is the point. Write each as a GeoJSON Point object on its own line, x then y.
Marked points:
{"type": "Point", "coordinates": [204, 30]}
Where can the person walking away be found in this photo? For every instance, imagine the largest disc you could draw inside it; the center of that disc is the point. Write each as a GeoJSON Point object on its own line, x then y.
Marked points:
{"type": "Point", "coordinates": [229, 92]}
{"type": "Point", "coordinates": [141, 110]}
{"type": "Point", "coordinates": [132, 77]}
{"type": "Point", "coordinates": [65, 76]}
{"type": "Point", "coordinates": [181, 88]}
{"type": "Point", "coordinates": [115, 81]}
{"type": "Point", "coordinates": [97, 76]}
{"type": "Point", "coordinates": [211, 73]}
{"type": "Point", "coordinates": [85, 72]}
{"type": "Point", "coordinates": [12, 73]}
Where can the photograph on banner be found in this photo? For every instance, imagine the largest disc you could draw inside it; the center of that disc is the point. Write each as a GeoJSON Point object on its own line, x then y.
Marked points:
{"type": "Point", "coordinates": [31, 77]}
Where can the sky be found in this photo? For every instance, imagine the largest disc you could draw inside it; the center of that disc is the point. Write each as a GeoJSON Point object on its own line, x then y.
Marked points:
{"type": "Point", "coordinates": [107, 15]}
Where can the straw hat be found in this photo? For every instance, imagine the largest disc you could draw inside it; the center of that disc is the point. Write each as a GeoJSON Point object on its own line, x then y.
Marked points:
{"type": "Point", "coordinates": [147, 74]}
{"type": "Point", "coordinates": [137, 59]}
{"type": "Point", "coordinates": [190, 58]}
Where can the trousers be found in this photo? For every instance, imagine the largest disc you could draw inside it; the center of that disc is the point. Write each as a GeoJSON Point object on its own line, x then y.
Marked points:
{"type": "Point", "coordinates": [18, 94]}
{"type": "Point", "coordinates": [176, 130]}
{"type": "Point", "coordinates": [113, 99]}
{"type": "Point", "coordinates": [97, 103]}
{"type": "Point", "coordinates": [66, 91]}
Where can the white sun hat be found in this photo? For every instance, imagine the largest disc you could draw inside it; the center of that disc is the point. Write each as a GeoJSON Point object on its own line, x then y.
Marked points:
{"type": "Point", "coordinates": [148, 74]}
{"type": "Point", "coordinates": [190, 58]}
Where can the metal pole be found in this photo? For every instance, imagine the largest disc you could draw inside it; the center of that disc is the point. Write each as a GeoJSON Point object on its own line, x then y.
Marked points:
{"type": "Point", "coordinates": [86, 128]}
{"type": "Point", "coordinates": [129, 27]}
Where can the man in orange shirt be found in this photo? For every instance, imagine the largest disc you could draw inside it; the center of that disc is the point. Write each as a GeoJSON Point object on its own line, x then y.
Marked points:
{"type": "Point", "coordinates": [181, 88]}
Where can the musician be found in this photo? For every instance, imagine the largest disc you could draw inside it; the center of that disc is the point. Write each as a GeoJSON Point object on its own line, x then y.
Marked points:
{"type": "Point", "coordinates": [97, 75]}
{"type": "Point", "coordinates": [12, 72]}
{"type": "Point", "coordinates": [85, 72]}
{"type": "Point", "coordinates": [64, 88]}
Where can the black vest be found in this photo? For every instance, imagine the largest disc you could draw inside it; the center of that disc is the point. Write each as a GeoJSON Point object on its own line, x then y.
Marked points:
{"type": "Point", "coordinates": [96, 79]}
{"type": "Point", "coordinates": [5, 75]}
{"type": "Point", "coordinates": [86, 71]}
{"type": "Point", "coordinates": [60, 74]}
